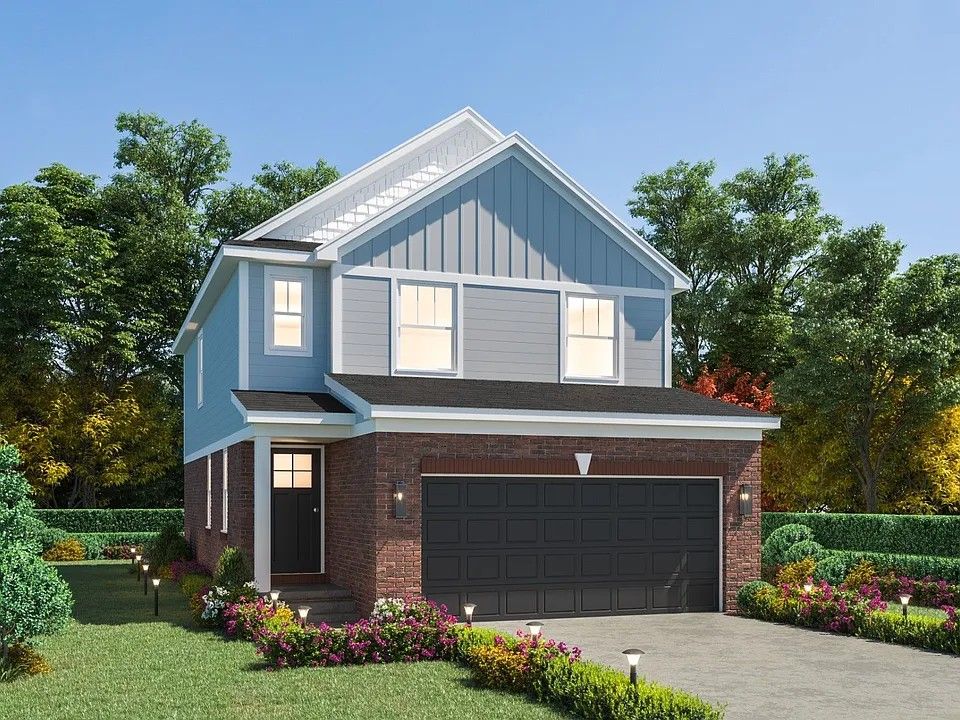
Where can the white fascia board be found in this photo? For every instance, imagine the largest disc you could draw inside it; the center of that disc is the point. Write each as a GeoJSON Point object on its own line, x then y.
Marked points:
{"type": "Point", "coordinates": [348, 397]}
{"type": "Point", "coordinates": [551, 174]}
{"type": "Point", "coordinates": [272, 255]}
{"type": "Point", "coordinates": [372, 168]}
{"type": "Point", "coordinates": [299, 418]}
{"type": "Point", "coordinates": [243, 434]}
{"type": "Point", "coordinates": [551, 417]}
{"type": "Point", "coordinates": [190, 324]}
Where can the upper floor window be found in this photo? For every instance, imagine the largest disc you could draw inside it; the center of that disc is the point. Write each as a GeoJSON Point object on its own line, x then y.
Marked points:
{"type": "Point", "coordinates": [200, 369]}
{"type": "Point", "coordinates": [426, 328]}
{"type": "Point", "coordinates": [591, 343]}
{"type": "Point", "coordinates": [287, 304]}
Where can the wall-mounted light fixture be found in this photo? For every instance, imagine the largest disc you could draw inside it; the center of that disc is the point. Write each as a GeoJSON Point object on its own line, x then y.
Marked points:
{"type": "Point", "coordinates": [746, 500]}
{"type": "Point", "coordinates": [633, 657]}
{"type": "Point", "coordinates": [400, 499]}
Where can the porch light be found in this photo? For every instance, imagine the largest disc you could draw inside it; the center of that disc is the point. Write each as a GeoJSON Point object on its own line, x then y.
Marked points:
{"type": "Point", "coordinates": [535, 628]}
{"type": "Point", "coordinates": [303, 611]}
{"type": "Point", "coordinates": [633, 657]}
{"type": "Point", "coordinates": [904, 601]}
{"type": "Point", "coordinates": [468, 609]}
{"type": "Point", "coordinates": [156, 596]}
{"type": "Point", "coordinates": [146, 568]}
{"type": "Point", "coordinates": [746, 500]}
{"type": "Point", "coordinates": [399, 501]}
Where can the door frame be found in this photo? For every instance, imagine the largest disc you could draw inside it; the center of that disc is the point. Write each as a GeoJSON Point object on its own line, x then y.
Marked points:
{"type": "Point", "coordinates": [323, 494]}
{"type": "Point", "coordinates": [628, 476]}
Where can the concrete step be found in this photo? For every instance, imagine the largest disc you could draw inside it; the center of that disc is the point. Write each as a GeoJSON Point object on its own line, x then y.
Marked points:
{"type": "Point", "coordinates": [302, 593]}
{"type": "Point", "coordinates": [332, 619]}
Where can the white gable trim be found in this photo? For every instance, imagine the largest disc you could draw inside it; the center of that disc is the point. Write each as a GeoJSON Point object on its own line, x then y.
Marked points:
{"type": "Point", "coordinates": [517, 146]}
{"type": "Point", "coordinates": [372, 168]}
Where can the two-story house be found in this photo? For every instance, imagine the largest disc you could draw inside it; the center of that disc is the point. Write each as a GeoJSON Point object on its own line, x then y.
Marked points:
{"type": "Point", "coordinates": [449, 373]}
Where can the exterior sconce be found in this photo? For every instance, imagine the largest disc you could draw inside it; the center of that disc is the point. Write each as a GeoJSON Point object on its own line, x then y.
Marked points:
{"type": "Point", "coordinates": [399, 499]}
{"type": "Point", "coordinates": [633, 657]}
{"type": "Point", "coordinates": [468, 609]}
{"type": "Point", "coordinates": [746, 500]}
{"type": "Point", "coordinates": [156, 596]}
{"type": "Point", "coordinates": [904, 601]}
{"type": "Point", "coordinates": [535, 628]}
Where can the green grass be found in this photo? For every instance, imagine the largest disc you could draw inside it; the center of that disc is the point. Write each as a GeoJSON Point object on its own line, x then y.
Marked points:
{"type": "Point", "coordinates": [915, 610]}
{"type": "Point", "coordinates": [118, 661]}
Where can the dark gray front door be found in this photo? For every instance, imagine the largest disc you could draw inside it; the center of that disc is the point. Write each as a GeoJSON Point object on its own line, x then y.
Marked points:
{"type": "Point", "coordinates": [542, 547]}
{"type": "Point", "coordinates": [295, 475]}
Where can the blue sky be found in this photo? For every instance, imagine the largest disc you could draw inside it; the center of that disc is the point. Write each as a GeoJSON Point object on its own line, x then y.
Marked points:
{"type": "Point", "coordinates": [870, 91]}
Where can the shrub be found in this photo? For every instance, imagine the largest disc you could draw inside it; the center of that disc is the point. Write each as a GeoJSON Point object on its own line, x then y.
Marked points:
{"type": "Point", "coordinates": [217, 599]}
{"type": "Point", "coordinates": [947, 568]}
{"type": "Point", "coordinates": [803, 550]}
{"type": "Point", "coordinates": [861, 574]}
{"type": "Point", "coordinates": [181, 568]}
{"type": "Point", "coordinates": [796, 573]}
{"type": "Point", "coordinates": [19, 528]}
{"type": "Point", "coordinates": [233, 570]}
{"type": "Point", "coordinates": [937, 535]}
{"type": "Point", "coordinates": [833, 568]}
{"type": "Point", "coordinates": [193, 584]}
{"type": "Point", "coordinates": [168, 546]}
{"type": "Point", "coordinates": [96, 543]}
{"type": "Point", "coordinates": [774, 549]}
{"type": "Point", "coordinates": [248, 619]}
{"type": "Point", "coordinates": [424, 632]}
{"type": "Point", "coordinates": [468, 637]}
{"type": "Point", "coordinates": [51, 536]}
{"type": "Point", "coordinates": [111, 520]}
{"type": "Point", "coordinates": [69, 549]}
{"type": "Point", "coordinates": [34, 599]}
{"type": "Point", "coordinates": [22, 660]}
{"type": "Point", "coordinates": [497, 668]}
{"type": "Point", "coordinates": [755, 598]}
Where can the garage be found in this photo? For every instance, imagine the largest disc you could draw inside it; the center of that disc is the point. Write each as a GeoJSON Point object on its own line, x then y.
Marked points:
{"type": "Point", "coordinates": [528, 546]}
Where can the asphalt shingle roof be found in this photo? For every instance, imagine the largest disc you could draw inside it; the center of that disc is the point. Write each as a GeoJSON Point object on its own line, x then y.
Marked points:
{"type": "Point", "coordinates": [277, 401]}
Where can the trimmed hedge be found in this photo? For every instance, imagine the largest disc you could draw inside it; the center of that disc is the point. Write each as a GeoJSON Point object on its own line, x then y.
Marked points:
{"type": "Point", "coordinates": [918, 566]}
{"type": "Point", "coordinates": [937, 535]}
{"type": "Point", "coordinates": [111, 520]}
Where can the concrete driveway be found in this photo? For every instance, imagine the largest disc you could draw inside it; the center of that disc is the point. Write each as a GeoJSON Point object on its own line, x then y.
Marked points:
{"type": "Point", "coordinates": [763, 670]}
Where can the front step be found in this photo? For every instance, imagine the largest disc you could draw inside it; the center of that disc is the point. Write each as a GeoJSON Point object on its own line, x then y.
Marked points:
{"type": "Point", "coordinates": [328, 603]}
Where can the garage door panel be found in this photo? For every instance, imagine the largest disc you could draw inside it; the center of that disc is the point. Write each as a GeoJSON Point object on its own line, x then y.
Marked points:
{"type": "Point", "coordinates": [525, 547]}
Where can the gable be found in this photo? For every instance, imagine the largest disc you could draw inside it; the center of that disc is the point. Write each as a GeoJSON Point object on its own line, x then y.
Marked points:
{"type": "Point", "coordinates": [505, 222]}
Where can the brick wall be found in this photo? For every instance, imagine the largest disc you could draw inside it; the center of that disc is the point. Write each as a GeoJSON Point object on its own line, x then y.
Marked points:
{"type": "Point", "coordinates": [373, 554]}
{"type": "Point", "coordinates": [208, 544]}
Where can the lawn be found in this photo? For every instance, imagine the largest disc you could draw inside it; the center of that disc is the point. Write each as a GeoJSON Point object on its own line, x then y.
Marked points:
{"type": "Point", "coordinates": [894, 608]}
{"type": "Point", "coordinates": [116, 660]}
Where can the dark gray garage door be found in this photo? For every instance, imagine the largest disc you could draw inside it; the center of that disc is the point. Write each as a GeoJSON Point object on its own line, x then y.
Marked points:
{"type": "Point", "coordinates": [531, 547]}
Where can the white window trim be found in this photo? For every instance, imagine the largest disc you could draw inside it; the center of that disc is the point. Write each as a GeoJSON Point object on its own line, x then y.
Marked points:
{"type": "Point", "coordinates": [225, 496]}
{"type": "Point", "coordinates": [200, 369]}
{"type": "Point", "coordinates": [303, 276]}
{"type": "Point", "coordinates": [618, 348]}
{"type": "Point", "coordinates": [209, 490]}
{"type": "Point", "coordinates": [455, 340]}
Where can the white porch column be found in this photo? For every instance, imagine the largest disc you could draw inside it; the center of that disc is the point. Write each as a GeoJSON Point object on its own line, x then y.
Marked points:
{"type": "Point", "coordinates": [261, 512]}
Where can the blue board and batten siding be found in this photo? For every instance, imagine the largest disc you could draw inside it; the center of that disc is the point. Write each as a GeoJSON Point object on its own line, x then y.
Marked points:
{"type": "Point", "coordinates": [506, 222]}
{"type": "Point", "coordinates": [286, 372]}
{"type": "Point", "coordinates": [218, 418]}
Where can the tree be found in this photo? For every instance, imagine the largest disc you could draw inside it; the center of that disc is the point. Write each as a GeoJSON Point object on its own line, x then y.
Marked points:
{"type": "Point", "coordinates": [690, 221]}
{"type": "Point", "coordinates": [276, 187]}
{"type": "Point", "coordinates": [778, 229]}
{"type": "Point", "coordinates": [733, 385]}
{"type": "Point", "coordinates": [878, 352]}
{"type": "Point", "coordinates": [34, 599]}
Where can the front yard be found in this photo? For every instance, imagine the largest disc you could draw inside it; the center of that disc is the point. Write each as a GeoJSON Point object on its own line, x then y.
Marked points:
{"type": "Point", "coordinates": [117, 661]}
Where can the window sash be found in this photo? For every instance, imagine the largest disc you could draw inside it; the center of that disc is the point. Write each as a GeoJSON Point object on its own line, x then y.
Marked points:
{"type": "Point", "coordinates": [426, 330]}
{"type": "Point", "coordinates": [591, 339]}
{"type": "Point", "coordinates": [288, 314]}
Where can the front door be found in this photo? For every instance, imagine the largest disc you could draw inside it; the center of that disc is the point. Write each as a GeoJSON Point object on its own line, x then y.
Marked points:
{"type": "Point", "coordinates": [297, 509]}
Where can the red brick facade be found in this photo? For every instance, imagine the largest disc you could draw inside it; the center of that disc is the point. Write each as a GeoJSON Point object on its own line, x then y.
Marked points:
{"type": "Point", "coordinates": [209, 543]}
{"type": "Point", "coordinates": [373, 554]}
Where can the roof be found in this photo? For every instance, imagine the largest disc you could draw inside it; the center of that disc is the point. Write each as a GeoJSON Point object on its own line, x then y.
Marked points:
{"type": "Point", "coordinates": [536, 396]}
{"type": "Point", "coordinates": [278, 401]}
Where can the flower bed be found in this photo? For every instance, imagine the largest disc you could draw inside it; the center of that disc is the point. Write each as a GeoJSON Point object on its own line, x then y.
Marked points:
{"type": "Point", "coordinates": [859, 612]}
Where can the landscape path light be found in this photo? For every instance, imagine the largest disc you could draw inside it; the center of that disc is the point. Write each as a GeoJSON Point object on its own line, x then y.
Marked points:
{"type": "Point", "coordinates": [468, 609]}
{"type": "Point", "coordinates": [146, 568]}
{"type": "Point", "coordinates": [274, 596]}
{"type": "Point", "coordinates": [808, 588]}
{"type": "Point", "coordinates": [303, 611]}
{"type": "Point", "coordinates": [633, 657]}
{"type": "Point", "coordinates": [535, 628]}
{"type": "Point", "coordinates": [138, 558]}
{"type": "Point", "coordinates": [156, 596]}
{"type": "Point", "coordinates": [904, 601]}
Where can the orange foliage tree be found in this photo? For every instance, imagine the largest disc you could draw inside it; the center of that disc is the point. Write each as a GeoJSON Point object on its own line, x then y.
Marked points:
{"type": "Point", "coordinates": [733, 385]}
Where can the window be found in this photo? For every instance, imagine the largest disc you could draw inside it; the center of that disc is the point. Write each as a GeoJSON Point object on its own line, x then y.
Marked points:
{"type": "Point", "coordinates": [200, 369]}
{"type": "Point", "coordinates": [426, 328]}
{"type": "Point", "coordinates": [292, 470]}
{"type": "Point", "coordinates": [591, 337]}
{"type": "Point", "coordinates": [209, 483]}
{"type": "Point", "coordinates": [224, 494]}
{"type": "Point", "coordinates": [287, 299]}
